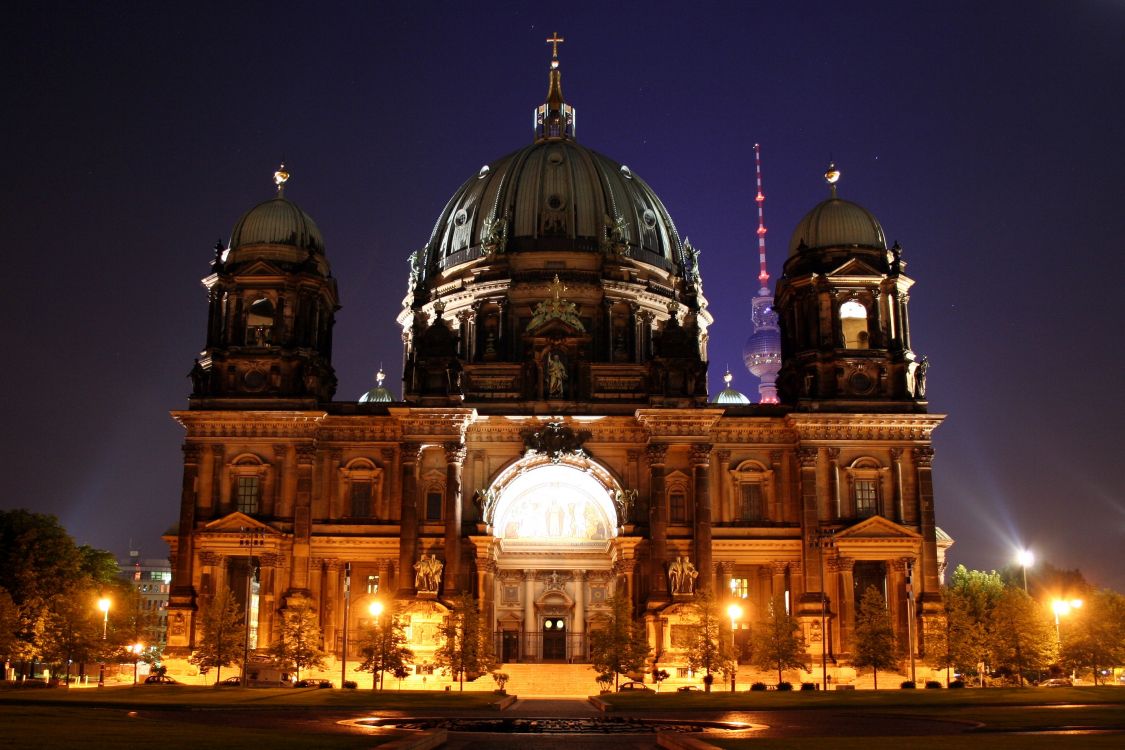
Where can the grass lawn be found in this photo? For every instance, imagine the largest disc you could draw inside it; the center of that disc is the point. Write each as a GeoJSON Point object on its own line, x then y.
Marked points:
{"type": "Point", "coordinates": [873, 699]}
{"type": "Point", "coordinates": [113, 729]}
{"type": "Point", "coordinates": [187, 696]}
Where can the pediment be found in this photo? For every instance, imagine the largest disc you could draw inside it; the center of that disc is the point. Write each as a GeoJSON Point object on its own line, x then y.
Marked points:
{"type": "Point", "coordinates": [260, 268]}
{"type": "Point", "coordinates": [877, 527]}
{"type": "Point", "coordinates": [855, 267]}
{"type": "Point", "coordinates": [239, 522]}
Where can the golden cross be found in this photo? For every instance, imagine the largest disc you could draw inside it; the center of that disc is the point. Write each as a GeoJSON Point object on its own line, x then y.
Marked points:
{"type": "Point", "coordinates": [555, 41]}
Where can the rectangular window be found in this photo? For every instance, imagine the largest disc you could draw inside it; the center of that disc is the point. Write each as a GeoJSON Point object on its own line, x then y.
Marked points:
{"type": "Point", "coordinates": [752, 507]}
{"type": "Point", "coordinates": [373, 584]}
{"type": "Point", "coordinates": [740, 588]}
{"type": "Point", "coordinates": [433, 506]}
{"type": "Point", "coordinates": [248, 494]}
{"type": "Point", "coordinates": [866, 497]}
{"type": "Point", "coordinates": [361, 498]}
{"type": "Point", "coordinates": [677, 507]}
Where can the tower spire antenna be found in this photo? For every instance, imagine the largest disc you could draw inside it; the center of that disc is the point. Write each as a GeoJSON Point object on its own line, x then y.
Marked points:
{"type": "Point", "coordinates": [760, 199]}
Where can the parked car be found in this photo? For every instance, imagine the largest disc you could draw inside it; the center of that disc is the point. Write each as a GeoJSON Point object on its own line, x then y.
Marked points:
{"type": "Point", "coordinates": [160, 679]}
{"type": "Point", "coordinates": [634, 686]}
{"type": "Point", "coordinates": [235, 681]}
{"type": "Point", "coordinates": [688, 689]}
{"type": "Point", "coordinates": [314, 683]}
{"type": "Point", "coordinates": [1057, 682]}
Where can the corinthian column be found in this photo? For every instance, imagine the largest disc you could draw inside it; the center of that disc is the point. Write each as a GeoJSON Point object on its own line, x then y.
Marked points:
{"type": "Point", "coordinates": [701, 466]}
{"type": "Point", "coordinates": [658, 521]}
{"type": "Point", "coordinates": [455, 458]}
{"type": "Point", "coordinates": [408, 537]}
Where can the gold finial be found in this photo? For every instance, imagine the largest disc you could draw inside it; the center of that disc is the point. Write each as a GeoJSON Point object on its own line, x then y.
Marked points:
{"type": "Point", "coordinates": [728, 377]}
{"type": "Point", "coordinates": [555, 41]}
{"type": "Point", "coordinates": [280, 177]}
{"type": "Point", "coordinates": [832, 176]}
{"type": "Point", "coordinates": [380, 376]}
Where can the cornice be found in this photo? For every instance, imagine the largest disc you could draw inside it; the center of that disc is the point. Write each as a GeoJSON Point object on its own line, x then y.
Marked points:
{"type": "Point", "coordinates": [258, 424]}
{"type": "Point", "coordinates": [813, 427]}
{"type": "Point", "coordinates": [678, 425]}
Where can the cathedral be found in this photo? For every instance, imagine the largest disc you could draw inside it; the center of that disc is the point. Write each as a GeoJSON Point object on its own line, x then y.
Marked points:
{"type": "Point", "coordinates": [554, 444]}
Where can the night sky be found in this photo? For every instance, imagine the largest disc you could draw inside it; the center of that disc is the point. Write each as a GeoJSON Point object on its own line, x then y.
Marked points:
{"type": "Point", "coordinates": [989, 142]}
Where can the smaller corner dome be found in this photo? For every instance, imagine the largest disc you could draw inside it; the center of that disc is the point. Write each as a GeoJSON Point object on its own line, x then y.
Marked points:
{"type": "Point", "coordinates": [377, 395]}
{"type": "Point", "coordinates": [729, 396]}
{"type": "Point", "coordinates": [838, 223]}
{"type": "Point", "coordinates": [278, 221]}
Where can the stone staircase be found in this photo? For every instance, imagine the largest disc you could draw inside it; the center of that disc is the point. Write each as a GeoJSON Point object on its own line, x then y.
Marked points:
{"type": "Point", "coordinates": [550, 679]}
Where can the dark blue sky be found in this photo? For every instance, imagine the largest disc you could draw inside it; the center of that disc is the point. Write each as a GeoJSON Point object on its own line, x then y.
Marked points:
{"type": "Point", "coordinates": [988, 141]}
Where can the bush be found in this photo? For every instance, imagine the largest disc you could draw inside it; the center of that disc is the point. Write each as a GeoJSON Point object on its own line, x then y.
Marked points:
{"type": "Point", "coordinates": [808, 686]}
{"type": "Point", "coordinates": [956, 684]}
{"type": "Point", "coordinates": [933, 685]}
{"type": "Point", "coordinates": [785, 686]}
{"type": "Point", "coordinates": [350, 685]}
{"type": "Point", "coordinates": [908, 685]}
{"type": "Point", "coordinates": [758, 686]}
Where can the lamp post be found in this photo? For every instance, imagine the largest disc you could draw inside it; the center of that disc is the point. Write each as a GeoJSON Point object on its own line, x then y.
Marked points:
{"type": "Point", "coordinates": [347, 614]}
{"type": "Point", "coordinates": [735, 613]}
{"type": "Point", "coordinates": [376, 610]}
{"type": "Point", "coordinates": [822, 540]}
{"type": "Point", "coordinates": [103, 605]}
{"type": "Point", "coordinates": [249, 538]}
{"type": "Point", "coordinates": [1025, 559]}
{"type": "Point", "coordinates": [1062, 607]}
{"type": "Point", "coordinates": [136, 650]}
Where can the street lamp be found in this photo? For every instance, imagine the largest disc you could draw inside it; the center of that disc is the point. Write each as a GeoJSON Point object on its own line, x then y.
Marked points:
{"type": "Point", "coordinates": [1025, 559]}
{"type": "Point", "coordinates": [103, 605]}
{"type": "Point", "coordinates": [822, 540]}
{"type": "Point", "coordinates": [1062, 607]}
{"type": "Point", "coordinates": [376, 610]}
{"type": "Point", "coordinates": [136, 649]}
{"type": "Point", "coordinates": [735, 613]}
{"type": "Point", "coordinates": [250, 538]}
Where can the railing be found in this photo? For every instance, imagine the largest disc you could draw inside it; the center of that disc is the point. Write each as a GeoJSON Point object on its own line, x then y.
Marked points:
{"type": "Point", "coordinates": [569, 648]}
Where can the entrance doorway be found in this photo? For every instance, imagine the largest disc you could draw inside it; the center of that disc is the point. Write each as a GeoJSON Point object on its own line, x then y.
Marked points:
{"type": "Point", "coordinates": [510, 646]}
{"type": "Point", "coordinates": [554, 639]}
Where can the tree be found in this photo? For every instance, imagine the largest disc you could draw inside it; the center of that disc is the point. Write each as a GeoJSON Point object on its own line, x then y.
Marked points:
{"type": "Point", "coordinates": [874, 634]}
{"type": "Point", "coordinates": [466, 643]}
{"type": "Point", "coordinates": [955, 639]}
{"type": "Point", "coordinates": [9, 624]}
{"type": "Point", "coordinates": [979, 592]}
{"type": "Point", "coordinates": [1020, 634]}
{"type": "Point", "coordinates": [621, 647]}
{"type": "Point", "coordinates": [222, 633]}
{"type": "Point", "coordinates": [709, 647]}
{"type": "Point", "coordinates": [1096, 637]}
{"type": "Point", "coordinates": [777, 640]}
{"type": "Point", "coordinates": [299, 645]}
{"type": "Point", "coordinates": [384, 649]}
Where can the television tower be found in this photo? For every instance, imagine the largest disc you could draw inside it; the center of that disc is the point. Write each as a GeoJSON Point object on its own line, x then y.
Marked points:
{"type": "Point", "coordinates": [762, 352]}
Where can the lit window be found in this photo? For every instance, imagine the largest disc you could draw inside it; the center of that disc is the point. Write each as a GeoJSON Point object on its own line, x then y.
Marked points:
{"type": "Point", "coordinates": [853, 325]}
{"type": "Point", "coordinates": [866, 497]}
{"type": "Point", "coordinates": [740, 588]}
{"type": "Point", "coordinates": [259, 323]}
{"type": "Point", "coordinates": [248, 494]}
{"type": "Point", "coordinates": [361, 498]}
{"type": "Point", "coordinates": [373, 584]}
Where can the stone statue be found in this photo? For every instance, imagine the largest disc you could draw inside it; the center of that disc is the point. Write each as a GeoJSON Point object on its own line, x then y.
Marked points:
{"type": "Point", "coordinates": [682, 575]}
{"type": "Point", "coordinates": [486, 501]}
{"type": "Point", "coordinates": [427, 573]}
{"type": "Point", "coordinates": [553, 582]}
{"type": "Point", "coordinates": [556, 376]}
{"type": "Point", "coordinates": [624, 500]}
{"type": "Point", "coordinates": [920, 377]}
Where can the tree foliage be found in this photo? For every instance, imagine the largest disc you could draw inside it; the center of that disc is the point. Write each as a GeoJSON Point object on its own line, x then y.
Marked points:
{"type": "Point", "coordinates": [222, 636]}
{"type": "Point", "coordinates": [1094, 637]}
{"type": "Point", "coordinates": [298, 646]}
{"type": "Point", "coordinates": [384, 648]}
{"type": "Point", "coordinates": [466, 648]}
{"type": "Point", "coordinates": [709, 647]}
{"type": "Point", "coordinates": [1020, 635]}
{"type": "Point", "coordinates": [622, 646]}
{"type": "Point", "coordinates": [955, 640]}
{"type": "Point", "coordinates": [777, 640]}
{"type": "Point", "coordinates": [874, 634]}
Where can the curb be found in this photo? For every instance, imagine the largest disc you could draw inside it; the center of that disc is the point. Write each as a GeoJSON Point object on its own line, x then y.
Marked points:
{"type": "Point", "coordinates": [421, 741]}
{"type": "Point", "coordinates": [505, 702]}
{"type": "Point", "coordinates": [598, 703]}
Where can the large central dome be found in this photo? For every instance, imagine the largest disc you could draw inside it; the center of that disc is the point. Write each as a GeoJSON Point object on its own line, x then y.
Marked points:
{"type": "Point", "coordinates": [555, 275]}
{"type": "Point", "coordinates": [554, 195]}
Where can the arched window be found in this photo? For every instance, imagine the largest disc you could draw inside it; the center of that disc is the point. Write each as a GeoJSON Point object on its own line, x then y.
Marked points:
{"type": "Point", "coordinates": [677, 484]}
{"type": "Point", "coordinates": [865, 476]}
{"type": "Point", "coordinates": [248, 475]}
{"type": "Point", "coordinates": [259, 323]}
{"type": "Point", "coordinates": [751, 485]}
{"type": "Point", "coordinates": [853, 324]}
{"type": "Point", "coordinates": [361, 488]}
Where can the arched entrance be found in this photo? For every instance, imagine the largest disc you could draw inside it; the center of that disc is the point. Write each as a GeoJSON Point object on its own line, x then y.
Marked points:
{"type": "Point", "coordinates": [554, 542]}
